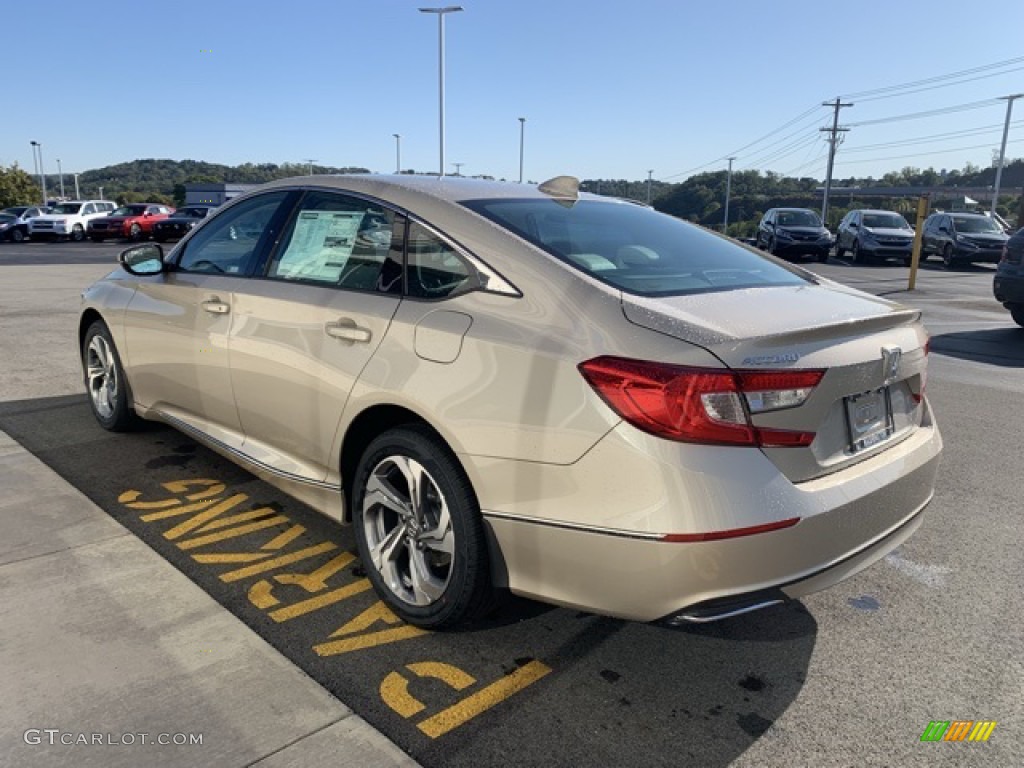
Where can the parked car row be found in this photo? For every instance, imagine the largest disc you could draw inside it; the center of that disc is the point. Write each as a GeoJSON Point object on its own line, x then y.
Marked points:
{"type": "Point", "coordinates": [99, 220]}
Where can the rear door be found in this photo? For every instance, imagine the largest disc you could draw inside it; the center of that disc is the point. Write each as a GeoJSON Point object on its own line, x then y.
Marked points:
{"type": "Point", "coordinates": [303, 332]}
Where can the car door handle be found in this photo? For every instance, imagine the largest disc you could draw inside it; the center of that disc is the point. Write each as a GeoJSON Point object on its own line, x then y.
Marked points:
{"type": "Point", "coordinates": [348, 330]}
{"type": "Point", "coordinates": [216, 307]}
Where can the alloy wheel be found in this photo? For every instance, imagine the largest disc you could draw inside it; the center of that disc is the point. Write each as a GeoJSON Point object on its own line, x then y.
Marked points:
{"type": "Point", "coordinates": [101, 373]}
{"type": "Point", "coordinates": [408, 530]}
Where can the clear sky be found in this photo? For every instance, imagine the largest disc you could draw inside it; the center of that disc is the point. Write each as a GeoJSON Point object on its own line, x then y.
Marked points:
{"type": "Point", "coordinates": [608, 90]}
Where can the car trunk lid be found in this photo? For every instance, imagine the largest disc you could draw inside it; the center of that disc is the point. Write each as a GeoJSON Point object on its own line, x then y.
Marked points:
{"type": "Point", "coordinates": [872, 352]}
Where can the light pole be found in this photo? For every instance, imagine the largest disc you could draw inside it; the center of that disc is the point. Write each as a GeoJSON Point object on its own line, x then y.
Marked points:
{"type": "Point", "coordinates": [1002, 149]}
{"type": "Point", "coordinates": [60, 173]}
{"type": "Point", "coordinates": [306, 160]}
{"type": "Point", "coordinates": [441, 13]}
{"type": "Point", "coordinates": [398, 152]}
{"type": "Point", "coordinates": [77, 196]}
{"type": "Point", "coordinates": [38, 147]}
{"type": "Point", "coordinates": [458, 168]}
{"type": "Point", "coordinates": [101, 193]}
{"type": "Point", "coordinates": [649, 173]}
{"type": "Point", "coordinates": [728, 190]}
{"type": "Point", "coordinates": [522, 134]}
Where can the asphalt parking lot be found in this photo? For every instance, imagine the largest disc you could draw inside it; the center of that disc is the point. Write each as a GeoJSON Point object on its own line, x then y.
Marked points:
{"type": "Point", "coordinates": [849, 676]}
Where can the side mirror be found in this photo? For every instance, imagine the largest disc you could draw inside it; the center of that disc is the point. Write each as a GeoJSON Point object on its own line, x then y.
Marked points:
{"type": "Point", "coordinates": [142, 260]}
{"type": "Point", "coordinates": [854, 225]}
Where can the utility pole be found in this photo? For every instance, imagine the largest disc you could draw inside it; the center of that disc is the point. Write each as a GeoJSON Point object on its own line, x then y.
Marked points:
{"type": "Point", "coordinates": [1002, 149]}
{"type": "Point", "coordinates": [649, 173]}
{"type": "Point", "coordinates": [728, 190]}
{"type": "Point", "coordinates": [833, 141]}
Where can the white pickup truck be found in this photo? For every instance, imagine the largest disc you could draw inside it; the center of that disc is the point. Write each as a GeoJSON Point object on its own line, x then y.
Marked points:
{"type": "Point", "coordinates": [69, 219]}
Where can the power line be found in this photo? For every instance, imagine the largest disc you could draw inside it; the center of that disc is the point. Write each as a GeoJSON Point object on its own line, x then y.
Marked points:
{"type": "Point", "coordinates": [940, 85]}
{"type": "Point", "coordinates": [933, 138]}
{"type": "Point", "coordinates": [782, 152]}
{"type": "Point", "coordinates": [925, 154]}
{"type": "Point", "coordinates": [735, 152]}
{"type": "Point", "coordinates": [936, 79]}
{"type": "Point", "coordinates": [928, 113]}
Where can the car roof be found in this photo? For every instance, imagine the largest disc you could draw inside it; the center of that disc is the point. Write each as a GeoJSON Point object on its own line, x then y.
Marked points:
{"type": "Point", "coordinates": [400, 187]}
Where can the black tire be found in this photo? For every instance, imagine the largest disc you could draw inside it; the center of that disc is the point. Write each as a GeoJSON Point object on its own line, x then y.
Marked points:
{"type": "Point", "coordinates": [839, 249]}
{"type": "Point", "coordinates": [77, 233]}
{"type": "Point", "coordinates": [461, 590]}
{"type": "Point", "coordinates": [771, 246]}
{"type": "Point", "coordinates": [855, 256]}
{"type": "Point", "coordinates": [135, 233]}
{"type": "Point", "coordinates": [947, 257]}
{"type": "Point", "coordinates": [1017, 313]}
{"type": "Point", "coordinates": [17, 235]}
{"type": "Point", "coordinates": [120, 417]}
{"type": "Point", "coordinates": [823, 257]}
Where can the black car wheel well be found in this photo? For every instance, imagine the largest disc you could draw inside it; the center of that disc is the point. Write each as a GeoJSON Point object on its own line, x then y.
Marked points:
{"type": "Point", "coordinates": [363, 429]}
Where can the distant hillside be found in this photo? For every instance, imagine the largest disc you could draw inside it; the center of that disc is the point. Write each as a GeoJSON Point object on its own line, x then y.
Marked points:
{"type": "Point", "coordinates": [164, 180]}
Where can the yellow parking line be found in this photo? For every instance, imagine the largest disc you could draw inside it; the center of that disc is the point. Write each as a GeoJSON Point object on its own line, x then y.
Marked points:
{"type": "Point", "coordinates": [314, 603]}
{"type": "Point", "coordinates": [465, 710]}
{"type": "Point", "coordinates": [231, 533]}
{"type": "Point", "coordinates": [277, 562]}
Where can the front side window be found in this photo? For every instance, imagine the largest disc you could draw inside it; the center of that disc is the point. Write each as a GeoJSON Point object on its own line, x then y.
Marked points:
{"type": "Point", "coordinates": [341, 241]}
{"type": "Point", "coordinates": [229, 243]}
{"type": "Point", "coordinates": [65, 209]}
{"type": "Point", "coordinates": [129, 210]}
{"type": "Point", "coordinates": [635, 248]}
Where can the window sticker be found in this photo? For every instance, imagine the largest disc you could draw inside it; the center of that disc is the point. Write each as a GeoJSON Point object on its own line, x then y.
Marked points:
{"type": "Point", "coordinates": [320, 246]}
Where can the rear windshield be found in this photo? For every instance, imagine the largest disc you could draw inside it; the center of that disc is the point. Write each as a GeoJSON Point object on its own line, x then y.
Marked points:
{"type": "Point", "coordinates": [635, 248]}
{"type": "Point", "coordinates": [885, 221]}
{"type": "Point", "coordinates": [67, 208]}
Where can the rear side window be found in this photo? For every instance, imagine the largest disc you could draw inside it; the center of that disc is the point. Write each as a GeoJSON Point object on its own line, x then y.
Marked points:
{"type": "Point", "coordinates": [341, 241]}
{"type": "Point", "coordinates": [635, 248]}
{"type": "Point", "coordinates": [434, 269]}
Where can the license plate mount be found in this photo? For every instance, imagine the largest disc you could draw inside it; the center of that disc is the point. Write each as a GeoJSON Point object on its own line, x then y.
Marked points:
{"type": "Point", "coordinates": [869, 418]}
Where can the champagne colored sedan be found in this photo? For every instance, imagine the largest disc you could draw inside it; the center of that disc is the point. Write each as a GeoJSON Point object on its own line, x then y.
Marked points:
{"type": "Point", "coordinates": [519, 388]}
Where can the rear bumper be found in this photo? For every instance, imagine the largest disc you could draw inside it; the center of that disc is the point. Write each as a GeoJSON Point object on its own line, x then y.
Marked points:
{"type": "Point", "coordinates": [848, 520]}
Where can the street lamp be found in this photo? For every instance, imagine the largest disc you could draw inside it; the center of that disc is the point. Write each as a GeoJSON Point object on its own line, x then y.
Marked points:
{"type": "Point", "coordinates": [458, 168]}
{"type": "Point", "coordinates": [310, 165]}
{"type": "Point", "coordinates": [522, 133]}
{"type": "Point", "coordinates": [1002, 150]}
{"type": "Point", "coordinates": [398, 152]}
{"type": "Point", "coordinates": [77, 196]}
{"type": "Point", "coordinates": [38, 147]}
{"type": "Point", "coordinates": [441, 13]}
{"type": "Point", "coordinates": [101, 193]}
{"type": "Point", "coordinates": [649, 173]}
{"type": "Point", "coordinates": [60, 173]}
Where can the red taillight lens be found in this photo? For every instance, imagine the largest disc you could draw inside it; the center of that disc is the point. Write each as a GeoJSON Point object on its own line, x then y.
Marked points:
{"type": "Point", "coordinates": [700, 405]}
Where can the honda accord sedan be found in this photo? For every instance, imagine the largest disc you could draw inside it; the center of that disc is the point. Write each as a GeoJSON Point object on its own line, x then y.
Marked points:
{"type": "Point", "coordinates": [526, 389]}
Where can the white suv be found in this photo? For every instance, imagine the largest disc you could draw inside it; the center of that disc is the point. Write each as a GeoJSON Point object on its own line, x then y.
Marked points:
{"type": "Point", "coordinates": [69, 219]}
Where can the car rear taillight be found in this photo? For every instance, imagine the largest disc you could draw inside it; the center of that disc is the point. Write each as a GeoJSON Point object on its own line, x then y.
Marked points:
{"type": "Point", "coordinates": [701, 405]}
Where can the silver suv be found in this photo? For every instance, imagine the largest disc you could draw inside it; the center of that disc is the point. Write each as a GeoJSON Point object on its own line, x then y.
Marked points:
{"type": "Point", "coordinates": [69, 219]}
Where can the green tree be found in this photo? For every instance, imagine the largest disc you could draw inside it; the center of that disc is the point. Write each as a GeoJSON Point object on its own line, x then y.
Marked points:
{"type": "Point", "coordinates": [17, 187]}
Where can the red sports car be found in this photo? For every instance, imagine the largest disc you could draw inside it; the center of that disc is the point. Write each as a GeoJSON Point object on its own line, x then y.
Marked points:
{"type": "Point", "coordinates": [132, 222]}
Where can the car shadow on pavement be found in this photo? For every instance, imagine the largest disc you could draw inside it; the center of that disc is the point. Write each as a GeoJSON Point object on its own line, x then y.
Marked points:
{"type": "Point", "coordinates": [995, 346]}
{"type": "Point", "coordinates": [539, 685]}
